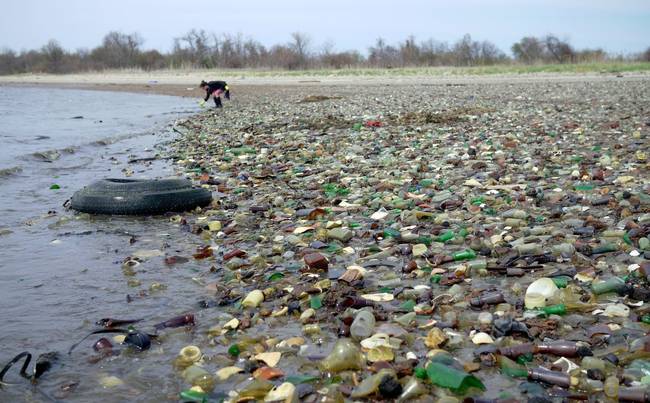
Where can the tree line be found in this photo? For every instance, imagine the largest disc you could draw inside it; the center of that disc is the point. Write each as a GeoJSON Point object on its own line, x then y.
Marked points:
{"type": "Point", "coordinates": [201, 49]}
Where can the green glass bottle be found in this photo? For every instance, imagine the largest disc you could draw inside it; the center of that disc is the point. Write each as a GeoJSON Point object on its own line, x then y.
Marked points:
{"type": "Point", "coordinates": [466, 254]}
{"type": "Point", "coordinates": [559, 309]}
{"type": "Point", "coordinates": [445, 236]}
{"type": "Point", "coordinates": [609, 247]}
{"type": "Point", "coordinates": [612, 284]}
{"type": "Point", "coordinates": [451, 378]}
{"type": "Point", "coordinates": [190, 395]}
{"type": "Point", "coordinates": [435, 278]}
{"type": "Point", "coordinates": [478, 200]}
{"type": "Point", "coordinates": [391, 233]}
{"type": "Point", "coordinates": [584, 187]}
{"type": "Point", "coordinates": [511, 368]}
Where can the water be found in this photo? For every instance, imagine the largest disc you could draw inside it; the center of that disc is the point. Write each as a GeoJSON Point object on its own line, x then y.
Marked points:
{"type": "Point", "coordinates": [61, 271]}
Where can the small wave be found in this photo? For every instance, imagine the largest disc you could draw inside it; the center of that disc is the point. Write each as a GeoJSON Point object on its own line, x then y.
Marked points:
{"type": "Point", "coordinates": [52, 155]}
{"type": "Point", "coordinates": [114, 139]}
{"type": "Point", "coordinates": [155, 130]}
{"type": "Point", "coordinates": [47, 156]}
{"type": "Point", "coordinates": [82, 162]}
{"type": "Point", "coordinates": [7, 172]}
{"type": "Point", "coordinates": [185, 111]}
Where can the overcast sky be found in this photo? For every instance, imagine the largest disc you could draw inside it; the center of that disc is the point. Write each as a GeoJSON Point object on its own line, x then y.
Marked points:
{"type": "Point", "coordinates": [619, 26]}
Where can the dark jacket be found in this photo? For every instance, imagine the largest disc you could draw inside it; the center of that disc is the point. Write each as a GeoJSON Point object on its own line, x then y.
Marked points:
{"type": "Point", "coordinates": [213, 86]}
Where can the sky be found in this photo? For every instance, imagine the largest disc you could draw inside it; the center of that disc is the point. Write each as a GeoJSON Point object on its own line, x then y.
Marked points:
{"type": "Point", "coordinates": [617, 26]}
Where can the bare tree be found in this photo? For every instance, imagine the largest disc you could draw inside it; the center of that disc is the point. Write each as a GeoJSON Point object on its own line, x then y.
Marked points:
{"type": "Point", "coordinates": [466, 51]}
{"type": "Point", "coordinates": [8, 62]}
{"type": "Point", "coordinates": [151, 60]}
{"type": "Point", "coordinates": [194, 47]}
{"type": "Point", "coordinates": [255, 53]}
{"type": "Point", "coordinates": [560, 51]}
{"type": "Point", "coordinates": [54, 57]}
{"type": "Point", "coordinates": [435, 53]}
{"type": "Point", "coordinates": [529, 50]}
{"type": "Point", "coordinates": [201, 49]}
{"type": "Point", "coordinates": [383, 55]}
{"type": "Point", "coordinates": [340, 60]}
{"type": "Point", "coordinates": [281, 56]}
{"type": "Point", "coordinates": [590, 56]}
{"type": "Point", "coordinates": [490, 54]}
{"type": "Point", "coordinates": [300, 45]}
{"type": "Point", "coordinates": [118, 50]}
{"type": "Point", "coordinates": [409, 52]}
{"type": "Point", "coordinates": [645, 56]}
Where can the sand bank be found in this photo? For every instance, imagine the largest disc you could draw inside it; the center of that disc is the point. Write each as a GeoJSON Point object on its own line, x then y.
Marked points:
{"type": "Point", "coordinates": [185, 83]}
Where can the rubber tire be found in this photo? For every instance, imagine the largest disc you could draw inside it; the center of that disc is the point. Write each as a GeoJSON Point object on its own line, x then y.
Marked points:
{"type": "Point", "coordinates": [139, 197]}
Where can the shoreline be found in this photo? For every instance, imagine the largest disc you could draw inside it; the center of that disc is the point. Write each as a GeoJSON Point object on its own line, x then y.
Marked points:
{"type": "Point", "coordinates": [186, 84]}
{"type": "Point", "coordinates": [176, 90]}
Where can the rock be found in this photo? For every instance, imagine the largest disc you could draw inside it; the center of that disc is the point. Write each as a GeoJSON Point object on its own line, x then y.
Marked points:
{"type": "Point", "coordinates": [316, 261]}
{"type": "Point", "coordinates": [340, 234]}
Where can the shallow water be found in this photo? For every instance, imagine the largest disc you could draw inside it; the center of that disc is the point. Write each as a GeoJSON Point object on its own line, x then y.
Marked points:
{"type": "Point", "coordinates": [61, 271]}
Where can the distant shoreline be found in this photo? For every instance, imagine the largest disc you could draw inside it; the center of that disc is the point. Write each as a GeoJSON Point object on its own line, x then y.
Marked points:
{"type": "Point", "coordinates": [166, 89]}
{"type": "Point", "coordinates": [185, 84]}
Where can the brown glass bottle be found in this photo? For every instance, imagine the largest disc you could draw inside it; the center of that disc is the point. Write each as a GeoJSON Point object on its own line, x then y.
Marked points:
{"type": "Point", "coordinates": [487, 299]}
{"type": "Point", "coordinates": [563, 349]}
{"type": "Point", "coordinates": [552, 377]}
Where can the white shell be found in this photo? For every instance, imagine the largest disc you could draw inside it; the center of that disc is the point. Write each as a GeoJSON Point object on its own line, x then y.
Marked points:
{"type": "Point", "coordinates": [270, 359]}
{"type": "Point", "coordinates": [360, 269]}
{"type": "Point", "coordinates": [482, 338]}
{"type": "Point", "coordinates": [282, 393]}
{"type": "Point", "coordinates": [583, 278]}
{"type": "Point", "coordinates": [253, 299]}
{"type": "Point", "coordinates": [110, 381]}
{"type": "Point", "coordinates": [544, 287]}
{"type": "Point", "coordinates": [232, 324]}
{"type": "Point", "coordinates": [472, 183]}
{"type": "Point", "coordinates": [380, 340]}
{"type": "Point", "coordinates": [564, 362]}
{"type": "Point", "coordinates": [301, 230]}
{"type": "Point", "coordinates": [617, 310]}
{"type": "Point", "coordinates": [227, 372]}
{"type": "Point", "coordinates": [419, 249]}
{"type": "Point", "coordinates": [378, 297]}
{"type": "Point", "coordinates": [308, 313]}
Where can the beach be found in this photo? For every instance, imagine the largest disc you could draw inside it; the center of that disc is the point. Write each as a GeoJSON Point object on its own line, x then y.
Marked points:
{"type": "Point", "coordinates": [411, 199]}
{"type": "Point", "coordinates": [185, 83]}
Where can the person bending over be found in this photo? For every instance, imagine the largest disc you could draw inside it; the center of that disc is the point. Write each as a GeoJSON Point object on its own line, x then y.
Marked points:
{"type": "Point", "coordinates": [215, 88]}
